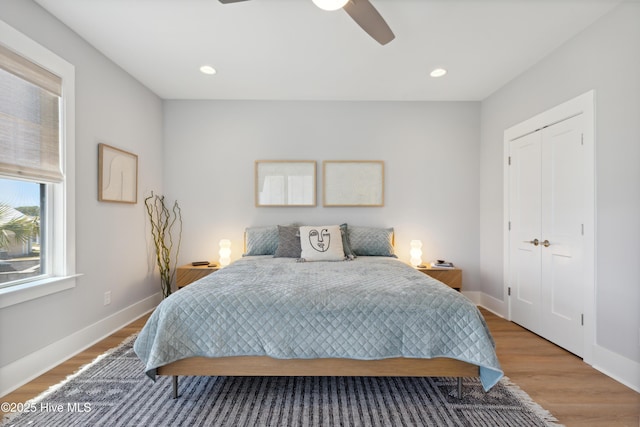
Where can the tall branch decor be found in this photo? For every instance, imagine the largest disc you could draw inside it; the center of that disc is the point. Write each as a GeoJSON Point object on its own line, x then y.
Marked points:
{"type": "Point", "coordinates": [163, 221]}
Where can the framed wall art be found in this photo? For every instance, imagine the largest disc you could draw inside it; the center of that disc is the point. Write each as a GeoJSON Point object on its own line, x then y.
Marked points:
{"type": "Point", "coordinates": [117, 175]}
{"type": "Point", "coordinates": [353, 183]}
{"type": "Point", "coordinates": [285, 183]}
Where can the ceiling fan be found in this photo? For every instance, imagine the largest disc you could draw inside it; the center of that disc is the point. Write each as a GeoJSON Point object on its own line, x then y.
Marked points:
{"type": "Point", "coordinates": [361, 11]}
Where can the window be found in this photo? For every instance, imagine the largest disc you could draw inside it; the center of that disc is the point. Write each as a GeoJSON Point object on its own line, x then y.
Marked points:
{"type": "Point", "coordinates": [37, 234]}
{"type": "Point", "coordinates": [22, 253]}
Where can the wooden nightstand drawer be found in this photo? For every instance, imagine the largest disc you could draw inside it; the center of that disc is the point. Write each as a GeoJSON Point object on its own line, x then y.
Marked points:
{"type": "Point", "coordinates": [449, 276]}
{"type": "Point", "coordinates": [189, 273]}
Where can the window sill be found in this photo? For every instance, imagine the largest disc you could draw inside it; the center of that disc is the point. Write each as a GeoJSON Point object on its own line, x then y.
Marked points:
{"type": "Point", "coordinates": [38, 288]}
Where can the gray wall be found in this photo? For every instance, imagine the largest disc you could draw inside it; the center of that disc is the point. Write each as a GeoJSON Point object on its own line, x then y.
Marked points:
{"type": "Point", "coordinates": [112, 250]}
{"type": "Point", "coordinates": [430, 150]}
{"type": "Point", "coordinates": [443, 175]}
{"type": "Point", "coordinates": [605, 57]}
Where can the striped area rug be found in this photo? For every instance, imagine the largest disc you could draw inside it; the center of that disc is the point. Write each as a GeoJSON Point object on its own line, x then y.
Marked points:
{"type": "Point", "coordinates": [114, 391]}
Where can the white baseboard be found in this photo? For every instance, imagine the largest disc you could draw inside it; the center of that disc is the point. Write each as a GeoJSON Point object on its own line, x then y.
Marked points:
{"type": "Point", "coordinates": [474, 296]}
{"type": "Point", "coordinates": [23, 370]}
{"type": "Point", "coordinates": [494, 305]}
{"type": "Point", "coordinates": [621, 369]}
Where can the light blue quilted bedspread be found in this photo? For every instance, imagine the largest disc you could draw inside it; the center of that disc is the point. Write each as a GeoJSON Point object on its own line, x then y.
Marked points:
{"type": "Point", "coordinates": [369, 308]}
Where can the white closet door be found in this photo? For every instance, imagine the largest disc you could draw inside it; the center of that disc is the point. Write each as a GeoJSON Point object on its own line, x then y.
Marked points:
{"type": "Point", "coordinates": [525, 195]}
{"type": "Point", "coordinates": [562, 223]}
{"type": "Point", "coordinates": [546, 202]}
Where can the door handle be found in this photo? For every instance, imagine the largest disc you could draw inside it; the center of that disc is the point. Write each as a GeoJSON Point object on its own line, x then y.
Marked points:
{"type": "Point", "coordinates": [546, 243]}
{"type": "Point", "coordinates": [534, 242]}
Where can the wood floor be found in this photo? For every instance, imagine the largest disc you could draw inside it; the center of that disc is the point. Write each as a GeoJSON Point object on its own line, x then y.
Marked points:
{"type": "Point", "coordinates": [575, 393]}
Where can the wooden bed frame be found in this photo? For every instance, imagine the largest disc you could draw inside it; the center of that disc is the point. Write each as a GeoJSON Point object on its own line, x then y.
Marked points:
{"type": "Point", "coordinates": [267, 366]}
{"type": "Point", "coordinates": [264, 366]}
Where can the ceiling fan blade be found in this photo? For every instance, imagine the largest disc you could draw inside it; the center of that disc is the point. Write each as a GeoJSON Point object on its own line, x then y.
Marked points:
{"type": "Point", "coordinates": [368, 17]}
{"type": "Point", "coordinates": [230, 1]}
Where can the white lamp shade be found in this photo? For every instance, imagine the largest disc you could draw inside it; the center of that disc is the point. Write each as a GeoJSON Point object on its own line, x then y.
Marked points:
{"type": "Point", "coordinates": [330, 4]}
{"type": "Point", "coordinates": [416, 253]}
{"type": "Point", "coordinates": [225, 252]}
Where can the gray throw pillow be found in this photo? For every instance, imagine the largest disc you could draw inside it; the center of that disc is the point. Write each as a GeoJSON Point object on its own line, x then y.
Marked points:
{"type": "Point", "coordinates": [345, 242]}
{"type": "Point", "coordinates": [288, 242]}
{"type": "Point", "coordinates": [371, 241]}
{"type": "Point", "coordinates": [261, 240]}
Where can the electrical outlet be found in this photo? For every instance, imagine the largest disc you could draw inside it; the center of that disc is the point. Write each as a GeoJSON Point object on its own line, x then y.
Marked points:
{"type": "Point", "coordinates": [107, 298]}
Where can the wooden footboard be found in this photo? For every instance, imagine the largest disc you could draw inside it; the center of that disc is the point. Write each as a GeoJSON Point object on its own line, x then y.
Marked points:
{"type": "Point", "coordinates": [267, 366]}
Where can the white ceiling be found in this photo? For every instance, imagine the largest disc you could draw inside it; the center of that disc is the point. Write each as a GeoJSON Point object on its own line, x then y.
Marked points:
{"type": "Point", "coordinates": [291, 50]}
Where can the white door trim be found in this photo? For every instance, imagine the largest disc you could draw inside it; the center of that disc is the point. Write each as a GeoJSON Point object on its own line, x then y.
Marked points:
{"type": "Point", "coordinates": [585, 105]}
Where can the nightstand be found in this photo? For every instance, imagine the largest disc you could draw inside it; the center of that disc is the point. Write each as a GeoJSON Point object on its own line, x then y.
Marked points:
{"type": "Point", "coordinates": [189, 273]}
{"type": "Point", "coordinates": [451, 277]}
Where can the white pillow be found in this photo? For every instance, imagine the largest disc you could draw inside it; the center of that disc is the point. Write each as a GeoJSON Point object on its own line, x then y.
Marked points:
{"type": "Point", "coordinates": [321, 243]}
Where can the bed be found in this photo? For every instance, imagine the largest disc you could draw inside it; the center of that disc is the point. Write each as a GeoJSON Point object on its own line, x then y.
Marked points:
{"type": "Point", "coordinates": [276, 316]}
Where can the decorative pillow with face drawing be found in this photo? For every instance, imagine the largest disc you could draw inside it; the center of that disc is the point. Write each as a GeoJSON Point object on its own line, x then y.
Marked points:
{"type": "Point", "coordinates": [321, 243]}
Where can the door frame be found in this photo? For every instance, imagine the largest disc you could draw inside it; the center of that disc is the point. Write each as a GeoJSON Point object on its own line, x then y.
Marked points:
{"type": "Point", "coordinates": [585, 105]}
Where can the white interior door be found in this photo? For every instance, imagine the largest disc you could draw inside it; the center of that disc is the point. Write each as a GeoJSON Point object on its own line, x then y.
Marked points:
{"type": "Point", "coordinates": [562, 223]}
{"type": "Point", "coordinates": [546, 202]}
{"type": "Point", "coordinates": [525, 195]}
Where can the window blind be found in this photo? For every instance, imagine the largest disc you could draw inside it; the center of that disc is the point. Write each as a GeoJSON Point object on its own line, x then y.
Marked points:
{"type": "Point", "coordinates": [29, 119]}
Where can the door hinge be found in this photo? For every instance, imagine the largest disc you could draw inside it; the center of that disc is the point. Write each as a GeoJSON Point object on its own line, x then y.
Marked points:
{"type": "Point", "coordinates": [582, 139]}
{"type": "Point", "coordinates": [582, 229]}
{"type": "Point", "coordinates": [509, 160]}
{"type": "Point", "coordinates": [509, 226]}
{"type": "Point", "coordinates": [582, 320]}
{"type": "Point", "coordinates": [509, 291]}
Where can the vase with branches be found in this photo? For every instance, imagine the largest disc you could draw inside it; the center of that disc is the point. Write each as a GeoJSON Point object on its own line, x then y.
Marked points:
{"type": "Point", "coordinates": [165, 223]}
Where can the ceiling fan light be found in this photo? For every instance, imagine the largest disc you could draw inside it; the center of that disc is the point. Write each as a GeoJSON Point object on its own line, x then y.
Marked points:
{"type": "Point", "coordinates": [207, 69]}
{"type": "Point", "coordinates": [438, 72]}
{"type": "Point", "coordinates": [330, 4]}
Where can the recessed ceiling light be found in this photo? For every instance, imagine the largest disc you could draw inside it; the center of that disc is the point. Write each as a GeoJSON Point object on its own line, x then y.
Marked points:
{"type": "Point", "coordinates": [207, 69]}
{"type": "Point", "coordinates": [438, 72]}
{"type": "Point", "coordinates": [330, 4]}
